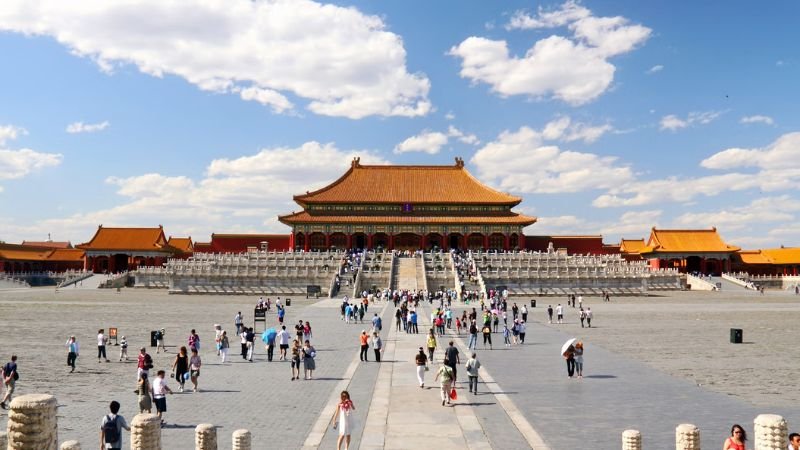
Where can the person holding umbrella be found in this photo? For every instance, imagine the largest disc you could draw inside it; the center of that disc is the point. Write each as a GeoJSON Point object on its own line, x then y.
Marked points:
{"type": "Point", "coordinates": [568, 352]}
{"type": "Point", "coordinates": [268, 337]}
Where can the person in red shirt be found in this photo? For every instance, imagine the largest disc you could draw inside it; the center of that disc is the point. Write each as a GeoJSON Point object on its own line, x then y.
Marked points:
{"type": "Point", "coordinates": [364, 345]}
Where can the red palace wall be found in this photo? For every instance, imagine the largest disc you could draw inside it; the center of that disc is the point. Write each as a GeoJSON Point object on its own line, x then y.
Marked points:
{"type": "Point", "coordinates": [240, 243]}
{"type": "Point", "coordinates": [574, 244]}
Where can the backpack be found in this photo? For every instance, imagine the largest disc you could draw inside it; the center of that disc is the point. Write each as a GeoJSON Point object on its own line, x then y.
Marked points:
{"type": "Point", "coordinates": [111, 430]}
{"type": "Point", "coordinates": [148, 361]}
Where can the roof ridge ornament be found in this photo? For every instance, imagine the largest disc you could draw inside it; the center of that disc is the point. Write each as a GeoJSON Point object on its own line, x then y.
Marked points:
{"type": "Point", "coordinates": [356, 162]}
{"type": "Point", "coordinates": [459, 162]}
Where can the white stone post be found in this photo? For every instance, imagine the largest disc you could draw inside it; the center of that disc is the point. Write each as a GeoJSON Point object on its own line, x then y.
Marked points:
{"type": "Point", "coordinates": [242, 440]}
{"type": "Point", "coordinates": [70, 445]}
{"type": "Point", "coordinates": [32, 423]}
{"type": "Point", "coordinates": [631, 440]}
{"type": "Point", "coordinates": [771, 432]}
{"type": "Point", "coordinates": [205, 437]}
{"type": "Point", "coordinates": [146, 432]}
{"type": "Point", "coordinates": [687, 437]}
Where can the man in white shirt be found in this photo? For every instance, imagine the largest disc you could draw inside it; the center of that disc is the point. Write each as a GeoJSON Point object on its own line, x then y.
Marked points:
{"type": "Point", "coordinates": [237, 321]}
{"type": "Point", "coordinates": [283, 341]}
{"type": "Point", "coordinates": [73, 350]}
{"type": "Point", "coordinates": [589, 317]}
{"type": "Point", "coordinates": [560, 313]}
{"type": "Point", "coordinates": [160, 391]}
{"type": "Point", "coordinates": [101, 345]}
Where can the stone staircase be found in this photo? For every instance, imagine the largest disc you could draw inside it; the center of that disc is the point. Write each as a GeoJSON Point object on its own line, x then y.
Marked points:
{"type": "Point", "coordinates": [406, 274]}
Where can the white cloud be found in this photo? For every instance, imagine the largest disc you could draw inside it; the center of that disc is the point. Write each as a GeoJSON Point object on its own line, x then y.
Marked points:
{"type": "Point", "coordinates": [10, 133]}
{"type": "Point", "coordinates": [759, 211]}
{"type": "Point", "coordinates": [541, 168]}
{"type": "Point", "coordinates": [80, 127]}
{"type": "Point", "coordinates": [342, 61]}
{"type": "Point", "coordinates": [428, 142]}
{"type": "Point", "coordinates": [268, 97]}
{"type": "Point", "coordinates": [466, 138]}
{"type": "Point", "coordinates": [629, 224]}
{"type": "Point", "coordinates": [672, 122]}
{"type": "Point", "coordinates": [766, 120]}
{"type": "Point", "coordinates": [655, 69]}
{"type": "Point", "coordinates": [564, 129]}
{"type": "Point", "coordinates": [781, 156]}
{"type": "Point", "coordinates": [15, 164]}
{"type": "Point", "coordinates": [573, 69]}
{"type": "Point", "coordinates": [450, 115]}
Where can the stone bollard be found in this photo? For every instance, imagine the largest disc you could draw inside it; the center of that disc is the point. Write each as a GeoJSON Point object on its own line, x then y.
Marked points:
{"type": "Point", "coordinates": [3, 440]}
{"type": "Point", "coordinates": [771, 432]}
{"type": "Point", "coordinates": [32, 423]}
{"type": "Point", "coordinates": [242, 440]}
{"type": "Point", "coordinates": [205, 437]}
{"type": "Point", "coordinates": [71, 445]}
{"type": "Point", "coordinates": [631, 440]}
{"type": "Point", "coordinates": [146, 432]}
{"type": "Point", "coordinates": [687, 437]}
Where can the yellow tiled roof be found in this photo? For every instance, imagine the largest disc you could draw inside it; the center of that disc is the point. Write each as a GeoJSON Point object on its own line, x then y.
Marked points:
{"type": "Point", "coordinates": [136, 239]}
{"type": "Point", "coordinates": [754, 257]}
{"type": "Point", "coordinates": [687, 241]}
{"type": "Point", "coordinates": [789, 255]}
{"type": "Point", "coordinates": [407, 184]}
{"type": "Point", "coordinates": [632, 245]}
{"type": "Point", "coordinates": [14, 252]}
{"type": "Point", "coordinates": [304, 217]}
{"type": "Point", "coordinates": [182, 244]}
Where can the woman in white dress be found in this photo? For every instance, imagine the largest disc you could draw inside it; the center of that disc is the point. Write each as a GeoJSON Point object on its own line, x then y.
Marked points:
{"type": "Point", "coordinates": [344, 412]}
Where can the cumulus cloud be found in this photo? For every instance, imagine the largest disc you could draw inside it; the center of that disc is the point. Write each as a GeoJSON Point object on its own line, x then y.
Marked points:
{"type": "Point", "coordinates": [759, 211]}
{"type": "Point", "coordinates": [341, 61]}
{"type": "Point", "coordinates": [80, 127]}
{"type": "Point", "coordinates": [15, 164]}
{"type": "Point", "coordinates": [431, 142]}
{"type": "Point", "coordinates": [541, 168]}
{"type": "Point", "coordinates": [655, 69]}
{"type": "Point", "coordinates": [572, 69]}
{"type": "Point", "coordinates": [766, 120]}
{"type": "Point", "coordinates": [672, 122]}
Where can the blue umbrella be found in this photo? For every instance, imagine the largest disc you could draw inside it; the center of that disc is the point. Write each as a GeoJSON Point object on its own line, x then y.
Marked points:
{"type": "Point", "coordinates": [268, 335]}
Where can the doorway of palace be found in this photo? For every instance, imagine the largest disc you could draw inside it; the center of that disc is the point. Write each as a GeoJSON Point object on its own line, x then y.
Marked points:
{"type": "Point", "coordinates": [434, 241]}
{"type": "Point", "coordinates": [407, 241]}
{"type": "Point", "coordinates": [338, 240]}
{"type": "Point", "coordinates": [513, 242]}
{"type": "Point", "coordinates": [475, 241]}
{"type": "Point", "coordinates": [316, 241]}
{"type": "Point", "coordinates": [455, 241]}
{"type": "Point", "coordinates": [359, 240]}
{"type": "Point", "coordinates": [693, 264]}
{"type": "Point", "coordinates": [120, 262]}
{"type": "Point", "coordinates": [497, 241]}
{"type": "Point", "coordinates": [380, 240]}
{"type": "Point", "coordinates": [300, 241]}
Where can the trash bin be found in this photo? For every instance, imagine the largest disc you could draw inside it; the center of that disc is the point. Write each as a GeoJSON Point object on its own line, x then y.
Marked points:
{"type": "Point", "coordinates": [288, 302]}
{"type": "Point", "coordinates": [533, 303]}
{"type": "Point", "coordinates": [153, 340]}
{"type": "Point", "coordinates": [736, 335]}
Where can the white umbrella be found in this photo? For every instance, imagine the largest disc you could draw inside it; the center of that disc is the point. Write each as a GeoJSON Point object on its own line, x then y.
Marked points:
{"type": "Point", "coordinates": [567, 345]}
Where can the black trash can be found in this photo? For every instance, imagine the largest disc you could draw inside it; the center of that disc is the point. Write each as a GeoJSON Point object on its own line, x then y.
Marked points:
{"type": "Point", "coordinates": [533, 303]}
{"type": "Point", "coordinates": [288, 302]}
{"type": "Point", "coordinates": [736, 335]}
{"type": "Point", "coordinates": [153, 338]}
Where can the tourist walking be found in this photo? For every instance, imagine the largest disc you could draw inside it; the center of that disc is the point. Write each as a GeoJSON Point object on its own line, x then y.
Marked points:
{"type": "Point", "coordinates": [364, 340]}
{"type": "Point", "coordinates": [569, 356]}
{"type": "Point", "coordinates": [737, 440]}
{"type": "Point", "coordinates": [307, 331]}
{"type": "Point", "coordinates": [243, 342]}
{"type": "Point", "coordinates": [144, 362]}
{"type": "Point", "coordinates": [224, 346]}
{"type": "Point", "coordinates": [102, 340]}
{"type": "Point", "coordinates": [123, 348]}
{"type": "Point", "coordinates": [377, 346]}
{"type": "Point", "coordinates": [506, 336]}
{"type": "Point", "coordinates": [144, 400]}
{"type": "Point", "coordinates": [217, 335]}
{"type": "Point", "coordinates": [413, 320]}
{"type": "Point", "coordinates": [194, 368]}
{"type": "Point", "coordinates": [794, 441]}
{"type": "Point", "coordinates": [472, 372]}
{"type": "Point", "coordinates": [452, 358]}
{"type": "Point", "coordinates": [180, 367]}
{"type": "Point", "coordinates": [448, 378]}
{"type": "Point", "coordinates": [250, 344]}
{"type": "Point", "coordinates": [431, 343]}
{"type": "Point", "coordinates": [73, 349]}
{"type": "Point", "coordinates": [582, 316]}
{"type": "Point", "coordinates": [283, 341]}
{"type": "Point", "coordinates": [160, 341]}
{"type": "Point", "coordinates": [237, 322]}
{"type": "Point", "coordinates": [194, 340]}
{"type": "Point", "coordinates": [560, 313]}
{"type": "Point", "coordinates": [343, 420]}
{"type": "Point", "coordinates": [160, 391]}
{"type": "Point", "coordinates": [522, 328]}
{"type": "Point", "coordinates": [589, 317]}
{"type": "Point", "coordinates": [473, 335]}
{"type": "Point", "coordinates": [487, 336]}
{"type": "Point", "coordinates": [579, 359]}
{"type": "Point", "coordinates": [422, 365]}
{"type": "Point", "coordinates": [111, 428]}
{"type": "Point", "coordinates": [524, 312]}
{"type": "Point", "coordinates": [549, 313]}
{"type": "Point", "coordinates": [270, 345]}
{"type": "Point", "coordinates": [10, 377]}
{"type": "Point", "coordinates": [295, 360]}
{"type": "Point", "coordinates": [309, 365]}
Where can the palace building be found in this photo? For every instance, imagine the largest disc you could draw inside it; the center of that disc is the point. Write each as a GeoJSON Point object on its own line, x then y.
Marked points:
{"type": "Point", "coordinates": [407, 208]}
{"type": "Point", "coordinates": [119, 249]}
{"type": "Point", "coordinates": [701, 251]}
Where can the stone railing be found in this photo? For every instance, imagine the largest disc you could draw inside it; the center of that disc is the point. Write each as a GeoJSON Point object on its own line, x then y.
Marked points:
{"type": "Point", "coordinates": [771, 432]}
{"type": "Point", "coordinates": [699, 284]}
{"type": "Point", "coordinates": [457, 278]}
{"type": "Point", "coordinates": [75, 276]}
{"type": "Point", "coordinates": [33, 425]}
{"type": "Point", "coordinates": [738, 281]}
{"type": "Point", "coordinates": [359, 276]}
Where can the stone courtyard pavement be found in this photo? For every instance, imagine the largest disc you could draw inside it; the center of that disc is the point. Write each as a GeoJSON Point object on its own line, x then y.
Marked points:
{"type": "Point", "coordinates": [525, 398]}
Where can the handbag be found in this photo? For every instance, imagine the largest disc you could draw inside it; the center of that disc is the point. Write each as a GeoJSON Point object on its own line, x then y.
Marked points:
{"type": "Point", "coordinates": [453, 394]}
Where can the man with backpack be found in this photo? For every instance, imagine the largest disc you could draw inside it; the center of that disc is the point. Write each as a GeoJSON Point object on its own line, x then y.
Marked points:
{"type": "Point", "coordinates": [111, 428]}
{"type": "Point", "coordinates": [143, 363]}
{"type": "Point", "coordinates": [10, 377]}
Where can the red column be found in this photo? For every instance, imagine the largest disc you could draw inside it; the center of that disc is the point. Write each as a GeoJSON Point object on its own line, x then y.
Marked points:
{"type": "Point", "coordinates": [349, 241]}
{"type": "Point", "coordinates": [291, 241]}
{"type": "Point", "coordinates": [327, 241]}
{"type": "Point", "coordinates": [391, 241]}
{"type": "Point", "coordinates": [307, 243]}
{"type": "Point", "coordinates": [703, 266]}
{"type": "Point", "coordinates": [369, 241]}
{"type": "Point", "coordinates": [508, 242]}
{"type": "Point", "coordinates": [485, 241]}
{"type": "Point", "coordinates": [424, 241]}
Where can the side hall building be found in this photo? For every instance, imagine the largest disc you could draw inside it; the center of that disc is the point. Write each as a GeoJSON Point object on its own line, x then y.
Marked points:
{"type": "Point", "coordinates": [407, 208]}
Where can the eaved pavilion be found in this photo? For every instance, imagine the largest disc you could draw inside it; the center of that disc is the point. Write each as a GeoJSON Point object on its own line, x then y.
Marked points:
{"type": "Point", "coordinates": [119, 249]}
{"type": "Point", "coordinates": [406, 208]}
{"type": "Point", "coordinates": [689, 251]}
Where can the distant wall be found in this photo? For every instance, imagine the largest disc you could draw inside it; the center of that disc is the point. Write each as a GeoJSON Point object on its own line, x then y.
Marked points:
{"type": "Point", "coordinates": [581, 245]}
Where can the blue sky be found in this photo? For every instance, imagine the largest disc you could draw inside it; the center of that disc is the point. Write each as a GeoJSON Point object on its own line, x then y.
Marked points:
{"type": "Point", "coordinates": [606, 117]}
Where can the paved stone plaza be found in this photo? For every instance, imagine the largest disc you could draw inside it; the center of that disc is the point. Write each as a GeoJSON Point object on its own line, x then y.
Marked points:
{"type": "Point", "coordinates": [644, 360]}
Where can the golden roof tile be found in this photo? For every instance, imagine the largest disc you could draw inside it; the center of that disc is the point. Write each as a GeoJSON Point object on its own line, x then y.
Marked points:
{"type": "Point", "coordinates": [687, 241]}
{"type": "Point", "coordinates": [512, 219]}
